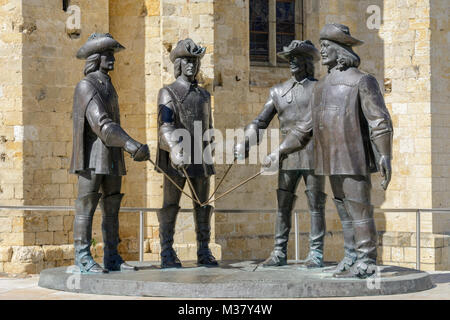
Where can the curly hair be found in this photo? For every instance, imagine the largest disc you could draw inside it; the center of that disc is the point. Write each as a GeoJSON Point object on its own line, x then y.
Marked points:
{"type": "Point", "coordinates": [346, 57]}
{"type": "Point", "coordinates": [92, 63]}
{"type": "Point", "coordinates": [309, 67]}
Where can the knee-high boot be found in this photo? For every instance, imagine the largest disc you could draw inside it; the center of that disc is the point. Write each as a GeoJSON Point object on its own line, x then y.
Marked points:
{"type": "Point", "coordinates": [349, 237]}
{"type": "Point", "coordinates": [365, 239]}
{"type": "Point", "coordinates": [202, 218]}
{"type": "Point", "coordinates": [167, 218]}
{"type": "Point", "coordinates": [110, 228]}
{"type": "Point", "coordinates": [316, 202]}
{"type": "Point", "coordinates": [286, 201]}
{"type": "Point", "coordinates": [82, 233]}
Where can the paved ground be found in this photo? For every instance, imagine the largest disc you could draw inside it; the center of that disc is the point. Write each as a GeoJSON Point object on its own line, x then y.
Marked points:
{"type": "Point", "coordinates": [26, 288]}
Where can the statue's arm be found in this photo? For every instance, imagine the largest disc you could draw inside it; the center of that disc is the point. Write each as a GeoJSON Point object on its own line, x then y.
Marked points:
{"type": "Point", "coordinates": [166, 118]}
{"type": "Point", "coordinates": [262, 121]}
{"type": "Point", "coordinates": [376, 114]}
{"type": "Point", "coordinates": [254, 131]}
{"type": "Point", "coordinates": [111, 133]}
{"type": "Point", "coordinates": [380, 124]}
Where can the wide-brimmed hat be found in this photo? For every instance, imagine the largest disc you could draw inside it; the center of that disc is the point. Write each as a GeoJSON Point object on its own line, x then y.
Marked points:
{"type": "Point", "coordinates": [187, 48]}
{"type": "Point", "coordinates": [339, 33]}
{"type": "Point", "coordinates": [297, 47]}
{"type": "Point", "coordinates": [98, 43]}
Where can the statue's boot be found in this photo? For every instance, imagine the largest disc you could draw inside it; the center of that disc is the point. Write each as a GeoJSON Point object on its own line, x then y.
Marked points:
{"type": "Point", "coordinates": [202, 218]}
{"type": "Point", "coordinates": [365, 241]}
{"type": "Point", "coordinates": [82, 233]}
{"type": "Point", "coordinates": [316, 202]}
{"type": "Point", "coordinates": [110, 228]}
{"type": "Point", "coordinates": [167, 218]}
{"type": "Point", "coordinates": [286, 201]}
{"type": "Point", "coordinates": [349, 238]}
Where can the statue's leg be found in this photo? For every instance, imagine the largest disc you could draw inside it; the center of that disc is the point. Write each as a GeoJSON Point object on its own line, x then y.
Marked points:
{"type": "Point", "coordinates": [315, 186]}
{"type": "Point", "coordinates": [287, 184]}
{"type": "Point", "coordinates": [357, 203]}
{"type": "Point", "coordinates": [202, 219]}
{"type": "Point", "coordinates": [347, 224]}
{"type": "Point", "coordinates": [167, 217]}
{"type": "Point", "coordinates": [349, 237]}
{"type": "Point", "coordinates": [110, 204]}
{"type": "Point", "coordinates": [85, 205]}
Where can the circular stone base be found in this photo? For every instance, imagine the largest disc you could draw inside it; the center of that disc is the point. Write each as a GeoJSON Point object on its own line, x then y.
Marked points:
{"type": "Point", "coordinates": [245, 279]}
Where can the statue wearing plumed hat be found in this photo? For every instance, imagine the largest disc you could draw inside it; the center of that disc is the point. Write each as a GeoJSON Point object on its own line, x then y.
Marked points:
{"type": "Point", "coordinates": [97, 156]}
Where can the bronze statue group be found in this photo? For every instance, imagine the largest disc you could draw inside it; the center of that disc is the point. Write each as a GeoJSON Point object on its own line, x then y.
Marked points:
{"type": "Point", "coordinates": [337, 126]}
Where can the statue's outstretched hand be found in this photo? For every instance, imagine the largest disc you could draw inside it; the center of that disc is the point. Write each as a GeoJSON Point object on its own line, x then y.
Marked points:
{"type": "Point", "coordinates": [241, 151]}
{"type": "Point", "coordinates": [178, 161]}
{"type": "Point", "coordinates": [142, 154]}
{"type": "Point", "coordinates": [385, 170]}
{"type": "Point", "coordinates": [271, 162]}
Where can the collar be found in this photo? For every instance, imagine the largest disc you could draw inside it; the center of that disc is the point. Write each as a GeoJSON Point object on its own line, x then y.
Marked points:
{"type": "Point", "coordinates": [102, 77]}
{"type": "Point", "coordinates": [183, 88]}
{"type": "Point", "coordinates": [186, 84]}
{"type": "Point", "coordinates": [292, 82]}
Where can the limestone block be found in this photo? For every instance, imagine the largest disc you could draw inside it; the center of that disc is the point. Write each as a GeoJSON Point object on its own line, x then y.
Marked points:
{"type": "Point", "coordinates": [68, 222]}
{"type": "Point", "coordinates": [27, 254]}
{"type": "Point", "coordinates": [53, 253]}
{"type": "Point", "coordinates": [60, 237]}
{"type": "Point", "coordinates": [5, 254]}
{"type": "Point", "coordinates": [55, 223]}
{"type": "Point", "coordinates": [19, 268]}
{"type": "Point", "coordinates": [44, 238]}
{"type": "Point", "coordinates": [5, 224]}
{"type": "Point", "coordinates": [36, 223]}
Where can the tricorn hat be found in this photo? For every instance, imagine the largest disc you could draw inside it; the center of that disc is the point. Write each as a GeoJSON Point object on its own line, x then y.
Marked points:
{"type": "Point", "coordinates": [97, 43]}
{"type": "Point", "coordinates": [339, 33]}
{"type": "Point", "coordinates": [297, 47]}
{"type": "Point", "coordinates": [187, 48]}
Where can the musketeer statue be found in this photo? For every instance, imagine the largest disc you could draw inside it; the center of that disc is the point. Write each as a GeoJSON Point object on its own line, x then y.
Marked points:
{"type": "Point", "coordinates": [290, 102]}
{"type": "Point", "coordinates": [183, 106]}
{"type": "Point", "coordinates": [352, 133]}
{"type": "Point", "coordinates": [97, 158]}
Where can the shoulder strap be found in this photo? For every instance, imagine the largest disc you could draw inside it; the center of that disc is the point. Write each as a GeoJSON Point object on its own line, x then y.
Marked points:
{"type": "Point", "coordinates": [175, 99]}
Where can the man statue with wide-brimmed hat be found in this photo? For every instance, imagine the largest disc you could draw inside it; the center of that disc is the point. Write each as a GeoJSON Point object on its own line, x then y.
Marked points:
{"type": "Point", "coordinates": [97, 158]}
{"type": "Point", "coordinates": [290, 102]}
{"type": "Point", "coordinates": [352, 133]}
{"type": "Point", "coordinates": [185, 107]}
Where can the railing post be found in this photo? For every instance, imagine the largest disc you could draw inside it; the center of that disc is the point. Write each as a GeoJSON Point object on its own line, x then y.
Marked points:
{"type": "Point", "coordinates": [418, 239]}
{"type": "Point", "coordinates": [296, 236]}
{"type": "Point", "coordinates": [141, 236]}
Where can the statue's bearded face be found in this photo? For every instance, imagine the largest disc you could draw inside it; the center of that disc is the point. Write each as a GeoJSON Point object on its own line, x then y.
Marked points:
{"type": "Point", "coordinates": [329, 52]}
{"type": "Point", "coordinates": [107, 60]}
{"type": "Point", "coordinates": [189, 66]}
{"type": "Point", "coordinates": [297, 64]}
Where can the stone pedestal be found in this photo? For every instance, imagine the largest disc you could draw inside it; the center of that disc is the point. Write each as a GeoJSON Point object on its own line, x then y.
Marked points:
{"type": "Point", "coordinates": [246, 279]}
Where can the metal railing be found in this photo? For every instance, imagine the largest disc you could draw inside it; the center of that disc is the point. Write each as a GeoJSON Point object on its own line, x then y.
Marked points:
{"type": "Point", "coordinates": [232, 211]}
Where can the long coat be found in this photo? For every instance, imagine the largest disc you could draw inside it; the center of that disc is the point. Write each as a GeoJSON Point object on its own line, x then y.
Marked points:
{"type": "Point", "coordinates": [348, 114]}
{"type": "Point", "coordinates": [89, 149]}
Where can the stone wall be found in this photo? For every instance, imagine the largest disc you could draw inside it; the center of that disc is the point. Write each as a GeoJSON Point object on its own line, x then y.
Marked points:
{"type": "Point", "coordinates": [39, 142]}
{"type": "Point", "coordinates": [439, 39]}
{"type": "Point", "coordinates": [11, 148]}
{"type": "Point", "coordinates": [398, 55]}
{"type": "Point", "coordinates": [407, 55]}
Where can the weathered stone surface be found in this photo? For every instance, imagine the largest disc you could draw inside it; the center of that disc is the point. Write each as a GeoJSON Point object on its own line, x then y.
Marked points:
{"type": "Point", "coordinates": [53, 253]}
{"type": "Point", "coordinates": [27, 254]}
{"type": "Point", "coordinates": [237, 280]}
{"type": "Point", "coordinates": [5, 254]}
